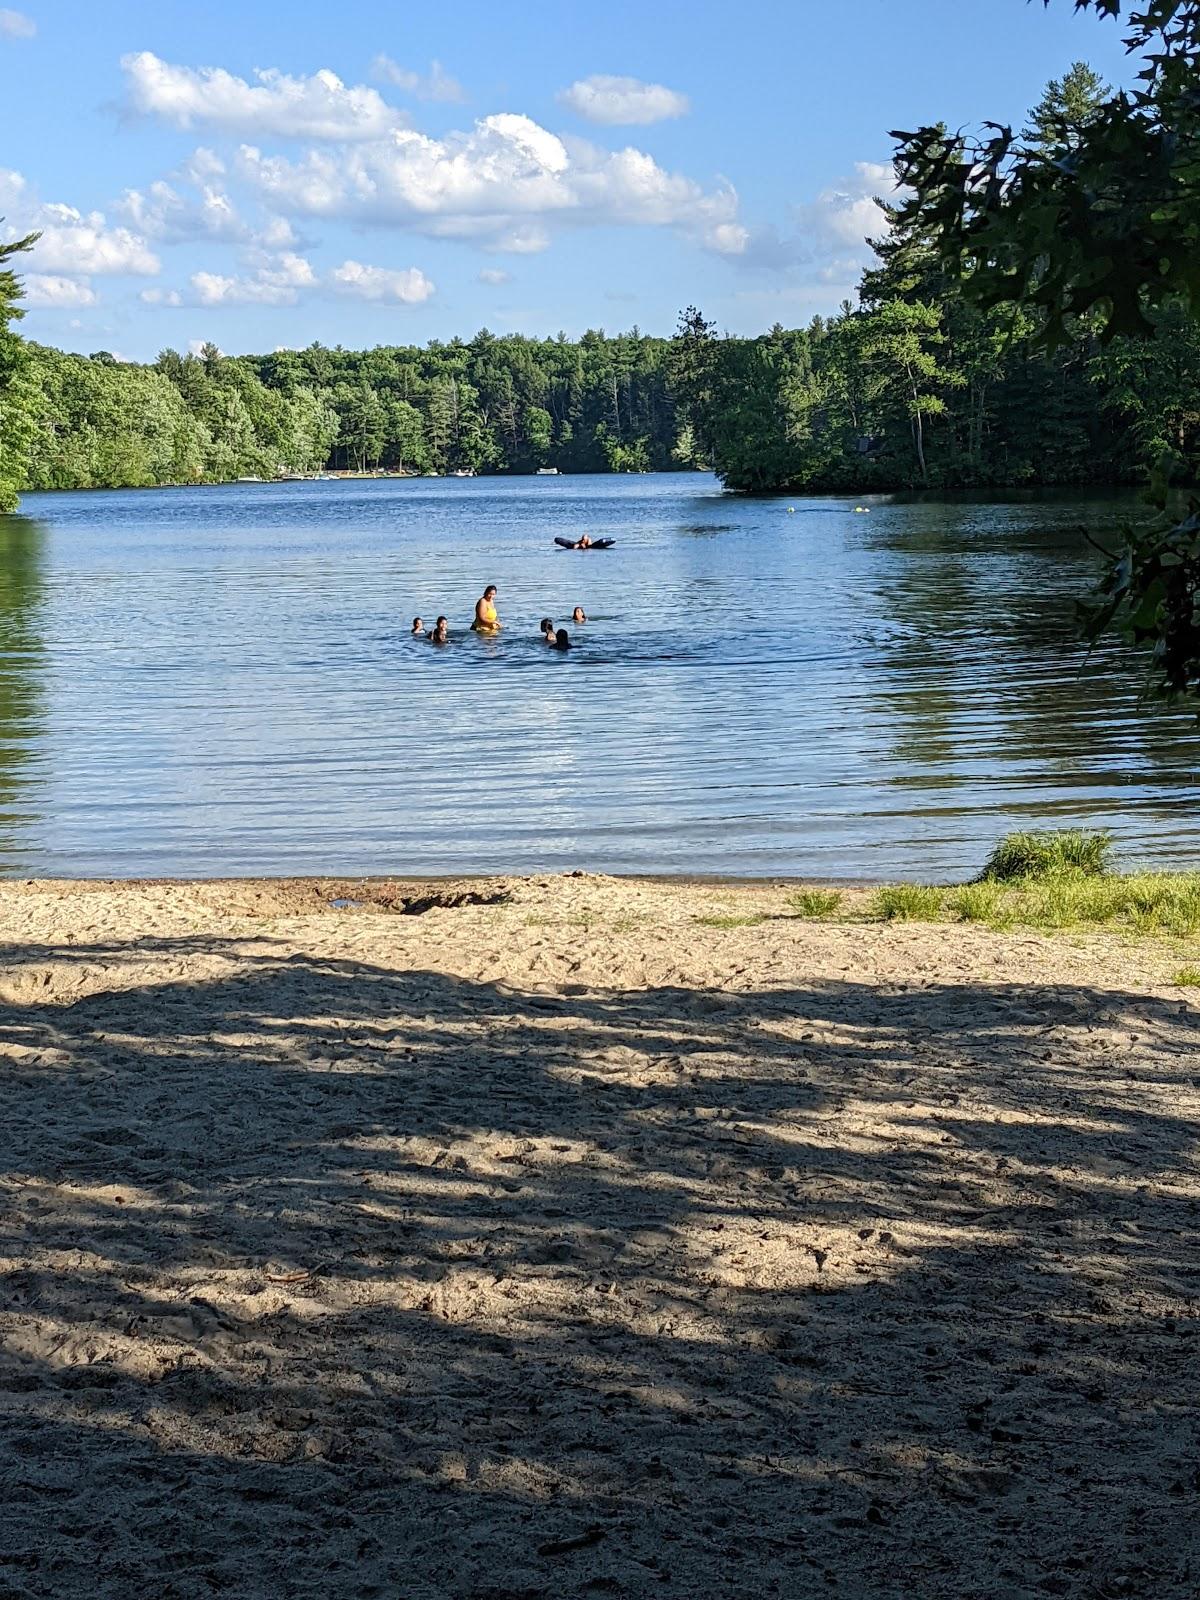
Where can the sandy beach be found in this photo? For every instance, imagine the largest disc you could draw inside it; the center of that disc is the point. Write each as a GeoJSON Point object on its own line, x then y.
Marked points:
{"type": "Point", "coordinates": [572, 1237]}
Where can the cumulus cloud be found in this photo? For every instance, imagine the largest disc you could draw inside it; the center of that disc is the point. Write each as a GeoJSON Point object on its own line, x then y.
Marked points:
{"type": "Point", "coordinates": [829, 245]}
{"type": "Point", "coordinates": [317, 107]}
{"type": "Point", "coordinates": [437, 84]}
{"type": "Point", "coordinates": [404, 287]}
{"type": "Point", "coordinates": [277, 281]}
{"type": "Point", "coordinates": [849, 212]}
{"type": "Point", "coordinates": [286, 278]}
{"type": "Point", "coordinates": [44, 289]}
{"type": "Point", "coordinates": [495, 276]}
{"type": "Point", "coordinates": [163, 213]}
{"type": "Point", "coordinates": [80, 245]}
{"type": "Point", "coordinates": [73, 244]}
{"type": "Point", "coordinates": [622, 102]}
{"type": "Point", "coordinates": [16, 25]}
{"type": "Point", "coordinates": [501, 183]}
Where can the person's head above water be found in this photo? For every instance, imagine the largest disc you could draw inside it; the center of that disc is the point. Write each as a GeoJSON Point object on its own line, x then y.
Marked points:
{"type": "Point", "coordinates": [490, 592]}
{"type": "Point", "coordinates": [562, 640]}
{"type": "Point", "coordinates": [440, 633]}
{"type": "Point", "coordinates": [418, 625]}
{"type": "Point", "coordinates": [579, 614]}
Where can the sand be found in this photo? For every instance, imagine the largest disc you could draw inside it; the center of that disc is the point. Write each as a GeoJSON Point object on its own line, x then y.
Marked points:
{"type": "Point", "coordinates": [569, 1245]}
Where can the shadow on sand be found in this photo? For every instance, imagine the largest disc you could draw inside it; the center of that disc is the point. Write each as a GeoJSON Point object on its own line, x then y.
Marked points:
{"type": "Point", "coordinates": [327, 1279]}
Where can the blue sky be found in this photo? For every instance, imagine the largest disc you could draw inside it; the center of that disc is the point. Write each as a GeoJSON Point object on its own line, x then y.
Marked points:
{"type": "Point", "coordinates": [363, 173]}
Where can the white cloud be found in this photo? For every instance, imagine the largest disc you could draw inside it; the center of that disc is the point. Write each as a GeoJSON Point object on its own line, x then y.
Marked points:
{"type": "Point", "coordinates": [203, 165]}
{"type": "Point", "coordinates": [73, 244]}
{"type": "Point", "coordinates": [277, 282]}
{"type": "Point", "coordinates": [163, 213]}
{"type": "Point", "coordinates": [12, 188]}
{"type": "Point", "coordinates": [436, 85]}
{"type": "Point", "coordinates": [501, 184]}
{"type": "Point", "coordinates": [495, 276]}
{"type": "Point", "coordinates": [16, 25]}
{"type": "Point", "coordinates": [408, 287]}
{"type": "Point", "coordinates": [618, 102]}
{"type": "Point", "coordinates": [526, 240]}
{"type": "Point", "coordinates": [316, 107]}
{"type": "Point", "coordinates": [849, 213]}
{"type": "Point", "coordinates": [81, 245]}
{"type": "Point", "coordinates": [161, 297]}
{"type": "Point", "coordinates": [196, 347]}
{"type": "Point", "coordinates": [44, 289]}
{"type": "Point", "coordinates": [829, 245]}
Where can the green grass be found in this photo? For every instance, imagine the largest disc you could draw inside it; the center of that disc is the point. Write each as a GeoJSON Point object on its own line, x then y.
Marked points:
{"type": "Point", "coordinates": [1187, 978]}
{"type": "Point", "coordinates": [981, 902]}
{"type": "Point", "coordinates": [732, 922]}
{"type": "Point", "coordinates": [1020, 857]}
{"type": "Point", "coordinates": [817, 902]}
{"type": "Point", "coordinates": [909, 902]}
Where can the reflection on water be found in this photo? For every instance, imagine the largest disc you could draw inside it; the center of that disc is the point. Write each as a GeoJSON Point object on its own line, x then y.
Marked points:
{"type": "Point", "coordinates": [221, 681]}
{"type": "Point", "coordinates": [21, 661]}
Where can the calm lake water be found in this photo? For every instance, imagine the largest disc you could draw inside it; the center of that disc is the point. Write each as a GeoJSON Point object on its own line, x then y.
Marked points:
{"type": "Point", "coordinates": [220, 681]}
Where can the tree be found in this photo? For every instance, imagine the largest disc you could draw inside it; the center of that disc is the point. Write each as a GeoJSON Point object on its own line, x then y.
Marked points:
{"type": "Point", "coordinates": [1061, 117]}
{"type": "Point", "coordinates": [1093, 216]}
{"type": "Point", "coordinates": [898, 347]}
{"type": "Point", "coordinates": [17, 391]}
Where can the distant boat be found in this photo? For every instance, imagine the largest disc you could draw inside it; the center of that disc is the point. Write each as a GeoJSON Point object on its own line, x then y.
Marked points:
{"type": "Point", "coordinates": [547, 472]}
{"type": "Point", "coordinates": [248, 480]}
{"type": "Point", "coordinates": [462, 472]}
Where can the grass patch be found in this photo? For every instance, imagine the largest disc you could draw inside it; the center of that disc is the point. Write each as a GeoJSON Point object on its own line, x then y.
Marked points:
{"type": "Point", "coordinates": [732, 922]}
{"type": "Point", "coordinates": [1020, 857]}
{"type": "Point", "coordinates": [909, 902]}
{"type": "Point", "coordinates": [981, 902]}
{"type": "Point", "coordinates": [817, 902]}
{"type": "Point", "coordinates": [1187, 978]}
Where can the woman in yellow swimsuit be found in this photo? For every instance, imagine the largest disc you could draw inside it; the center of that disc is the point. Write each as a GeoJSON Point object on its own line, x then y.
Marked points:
{"type": "Point", "coordinates": [486, 620]}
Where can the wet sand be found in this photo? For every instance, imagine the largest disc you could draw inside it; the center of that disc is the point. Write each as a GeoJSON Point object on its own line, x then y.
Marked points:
{"type": "Point", "coordinates": [540, 1238]}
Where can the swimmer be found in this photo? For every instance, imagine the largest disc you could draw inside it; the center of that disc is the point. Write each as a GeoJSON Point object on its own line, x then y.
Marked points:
{"type": "Point", "coordinates": [561, 640]}
{"type": "Point", "coordinates": [440, 634]}
{"type": "Point", "coordinates": [418, 628]}
{"type": "Point", "coordinates": [578, 615]}
{"type": "Point", "coordinates": [547, 627]}
{"type": "Point", "coordinates": [486, 620]}
{"type": "Point", "coordinates": [585, 543]}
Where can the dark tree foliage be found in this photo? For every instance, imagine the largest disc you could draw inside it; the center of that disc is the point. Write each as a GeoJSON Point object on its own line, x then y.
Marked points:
{"type": "Point", "coordinates": [1094, 217]}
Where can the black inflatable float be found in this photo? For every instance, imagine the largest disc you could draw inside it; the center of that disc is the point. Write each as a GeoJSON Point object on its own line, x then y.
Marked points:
{"type": "Point", "coordinates": [596, 544]}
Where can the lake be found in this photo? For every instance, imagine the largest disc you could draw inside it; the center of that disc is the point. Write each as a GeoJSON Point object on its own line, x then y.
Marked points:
{"type": "Point", "coordinates": [220, 681]}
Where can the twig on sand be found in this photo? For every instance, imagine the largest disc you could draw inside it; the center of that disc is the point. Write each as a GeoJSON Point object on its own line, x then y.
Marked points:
{"type": "Point", "coordinates": [578, 1541]}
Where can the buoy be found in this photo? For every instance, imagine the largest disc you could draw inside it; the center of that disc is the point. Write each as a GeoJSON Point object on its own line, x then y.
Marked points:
{"type": "Point", "coordinates": [791, 510]}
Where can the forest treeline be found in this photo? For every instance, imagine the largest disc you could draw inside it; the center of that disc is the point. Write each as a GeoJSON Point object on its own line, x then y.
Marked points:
{"type": "Point", "coordinates": [913, 386]}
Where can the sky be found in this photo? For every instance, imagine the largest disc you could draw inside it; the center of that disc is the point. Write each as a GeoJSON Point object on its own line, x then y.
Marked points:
{"type": "Point", "coordinates": [358, 172]}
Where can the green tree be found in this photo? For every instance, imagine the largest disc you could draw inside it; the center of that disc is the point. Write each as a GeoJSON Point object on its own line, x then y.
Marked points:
{"type": "Point", "coordinates": [1099, 217]}
{"type": "Point", "coordinates": [899, 347]}
{"type": "Point", "coordinates": [17, 392]}
{"type": "Point", "coordinates": [1059, 121]}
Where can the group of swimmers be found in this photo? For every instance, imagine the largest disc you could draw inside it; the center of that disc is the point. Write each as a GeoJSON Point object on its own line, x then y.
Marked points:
{"type": "Point", "coordinates": [487, 621]}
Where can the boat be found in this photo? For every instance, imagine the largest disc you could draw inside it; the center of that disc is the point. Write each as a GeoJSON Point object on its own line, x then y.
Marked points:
{"type": "Point", "coordinates": [247, 480]}
{"type": "Point", "coordinates": [547, 472]}
{"type": "Point", "coordinates": [462, 472]}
